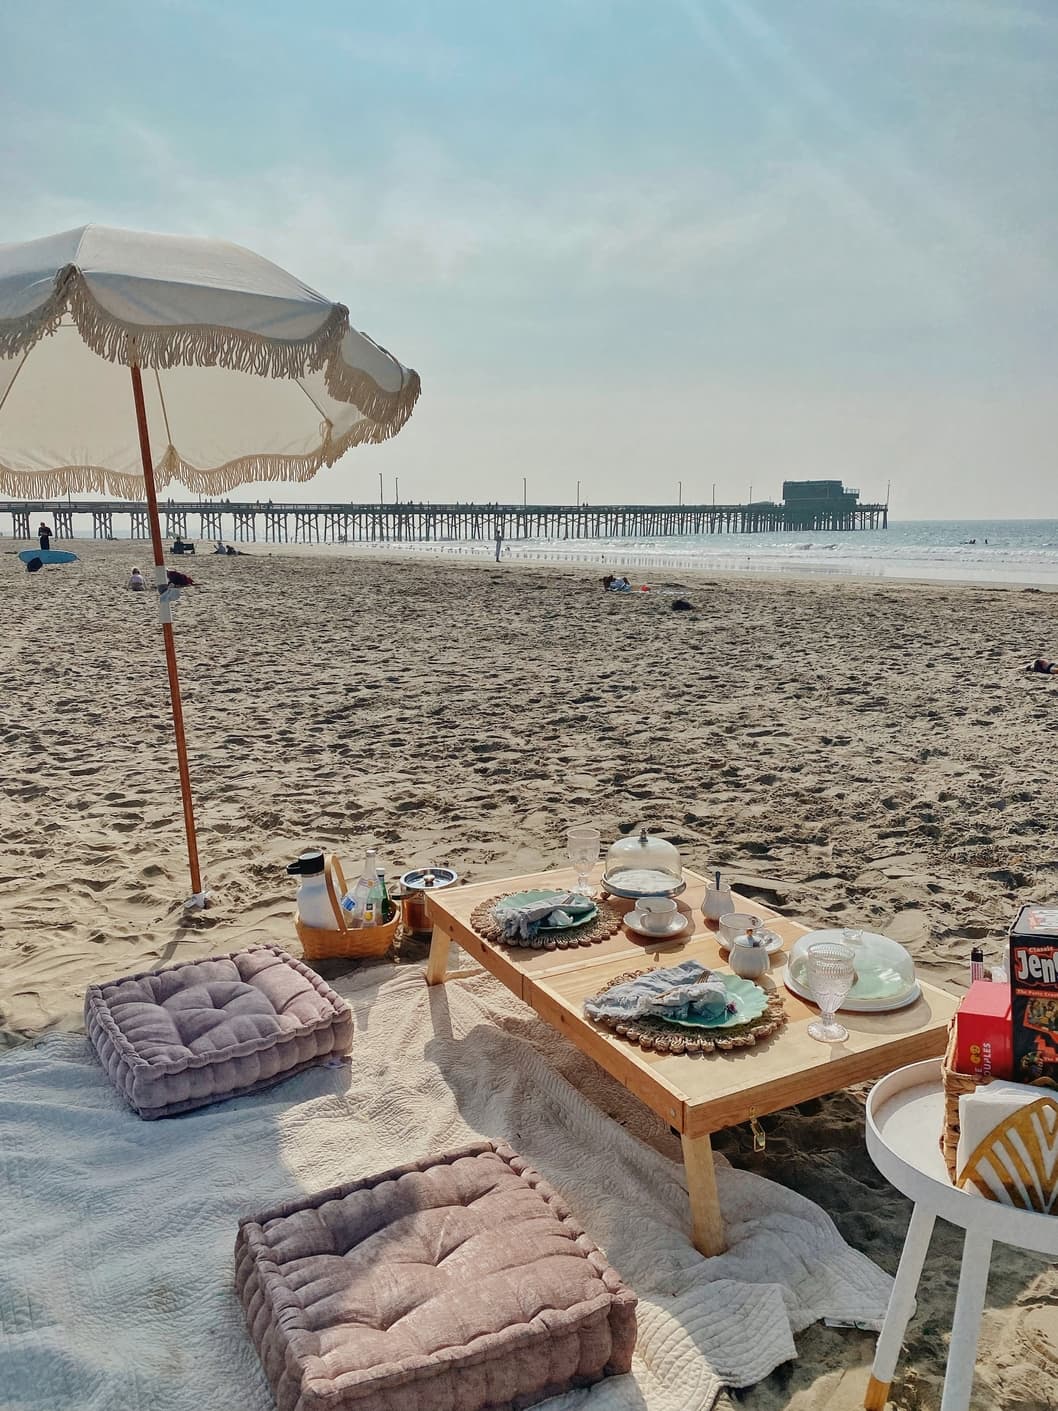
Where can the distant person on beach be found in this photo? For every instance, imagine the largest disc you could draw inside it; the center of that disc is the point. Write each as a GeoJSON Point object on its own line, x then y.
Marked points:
{"type": "Point", "coordinates": [616, 585]}
{"type": "Point", "coordinates": [44, 536]}
{"type": "Point", "coordinates": [499, 544]}
{"type": "Point", "coordinates": [1043, 666]}
{"type": "Point", "coordinates": [137, 583]}
{"type": "Point", "coordinates": [220, 549]}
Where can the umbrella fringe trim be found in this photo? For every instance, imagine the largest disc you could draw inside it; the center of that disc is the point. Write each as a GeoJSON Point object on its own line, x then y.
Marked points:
{"type": "Point", "coordinates": [204, 345]}
{"type": "Point", "coordinates": [215, 480]}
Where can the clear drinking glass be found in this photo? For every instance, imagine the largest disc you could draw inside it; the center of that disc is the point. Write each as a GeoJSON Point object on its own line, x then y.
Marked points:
{"type": "Point", "coordinates": [830, 973]}
{"type": "Point", "coordinates": [582, 849]}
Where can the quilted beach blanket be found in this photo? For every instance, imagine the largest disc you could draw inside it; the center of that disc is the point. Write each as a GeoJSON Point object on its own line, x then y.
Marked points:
{"type": "Point", "coordinates": [116, 1280]}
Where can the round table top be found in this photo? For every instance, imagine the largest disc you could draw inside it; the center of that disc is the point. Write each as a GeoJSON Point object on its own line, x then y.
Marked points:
{"type": "Point", "coordinates": [905, 1119]}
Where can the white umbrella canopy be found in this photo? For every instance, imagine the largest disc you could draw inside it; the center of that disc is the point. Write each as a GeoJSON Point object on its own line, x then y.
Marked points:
{"type": "Point", "coordinates": [248, 374]}
{"type": "Point", "coordinates": [130, 360]}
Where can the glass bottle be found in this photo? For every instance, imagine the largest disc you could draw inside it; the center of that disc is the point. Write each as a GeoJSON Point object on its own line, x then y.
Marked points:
{"type": "Point", "coordinates": [357, 904]}
{"type": "Point", "coordinates": [385, 906]}
{"type": "Point", "coordinates": [373, 909]}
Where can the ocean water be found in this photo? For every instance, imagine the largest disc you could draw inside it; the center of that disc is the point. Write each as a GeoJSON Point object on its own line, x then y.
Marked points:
{"type": "Point", "coordinates": [1020, 552]}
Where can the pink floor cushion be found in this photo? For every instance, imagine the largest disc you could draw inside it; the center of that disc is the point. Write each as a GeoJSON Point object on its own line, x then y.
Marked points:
{"type": "Point", "coordinates": [193, 1034]}
{"type": "Point", "coordinates": [455, 1283]}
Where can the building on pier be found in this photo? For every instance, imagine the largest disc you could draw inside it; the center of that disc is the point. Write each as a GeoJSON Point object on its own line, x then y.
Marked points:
{"type": "Point", "coordinates": [821, 504]}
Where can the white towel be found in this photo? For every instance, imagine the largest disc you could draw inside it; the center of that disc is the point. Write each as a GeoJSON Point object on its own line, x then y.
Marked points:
{"type": "Point", "coordinates": [1005, 1154]}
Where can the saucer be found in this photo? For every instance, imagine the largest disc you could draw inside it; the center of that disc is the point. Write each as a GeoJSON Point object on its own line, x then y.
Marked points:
{"type": "Point", "coordinates": [676, 926]}
{"type": "Point", "coordinates": [771, 945]}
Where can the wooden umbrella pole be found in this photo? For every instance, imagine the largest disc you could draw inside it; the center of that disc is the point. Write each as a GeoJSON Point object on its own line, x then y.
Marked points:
{"type": "Point", "coordinates": [167, 633]}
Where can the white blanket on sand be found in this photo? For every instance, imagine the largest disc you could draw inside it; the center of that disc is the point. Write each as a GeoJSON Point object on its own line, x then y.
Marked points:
{"type": "Point", "coordinates": [116, 1275]}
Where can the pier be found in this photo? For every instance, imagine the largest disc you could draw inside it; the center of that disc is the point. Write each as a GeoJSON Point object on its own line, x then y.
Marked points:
{"type": "Point", "coordinates": [403, 522]}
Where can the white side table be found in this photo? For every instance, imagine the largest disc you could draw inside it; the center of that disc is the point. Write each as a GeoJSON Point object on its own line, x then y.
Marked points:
{"type": "Point", "coordinates": [905, 1117]}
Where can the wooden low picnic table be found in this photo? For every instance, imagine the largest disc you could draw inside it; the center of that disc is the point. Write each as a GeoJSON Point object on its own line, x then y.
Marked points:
{"type": "Point", "coordinates": [703, 1093]}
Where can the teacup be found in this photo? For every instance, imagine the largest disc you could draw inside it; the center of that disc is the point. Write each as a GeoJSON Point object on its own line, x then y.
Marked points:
{"type": "Point", "coordinates": [737, 923]}
{"type": "Point", "coordinates": [656, 913]}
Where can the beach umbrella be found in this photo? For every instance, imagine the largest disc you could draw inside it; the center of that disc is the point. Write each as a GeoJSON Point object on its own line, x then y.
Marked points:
{"type": "Point", "coordinates": [130, 360]}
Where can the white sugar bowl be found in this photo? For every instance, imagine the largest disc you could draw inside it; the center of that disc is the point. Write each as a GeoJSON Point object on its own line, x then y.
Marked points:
{"type": "Point", "coordinates": [748, 956]}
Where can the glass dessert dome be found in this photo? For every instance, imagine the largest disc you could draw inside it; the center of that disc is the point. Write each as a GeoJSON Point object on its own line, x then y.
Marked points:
{"type": "Point", "coordinates": [885, 972]}
{"type": "Point", "coordinates": [644, 865]}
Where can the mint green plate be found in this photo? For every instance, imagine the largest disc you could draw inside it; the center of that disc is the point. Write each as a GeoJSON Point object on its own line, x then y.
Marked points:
{"type": "Point", "coordinates": [750, 999]}
{"type": "Point", "coordinates": [542, 894]}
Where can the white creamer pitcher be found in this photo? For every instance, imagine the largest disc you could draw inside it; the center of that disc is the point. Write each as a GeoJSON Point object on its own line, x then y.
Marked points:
{"type": "Point", "coordinates": [718, 900]}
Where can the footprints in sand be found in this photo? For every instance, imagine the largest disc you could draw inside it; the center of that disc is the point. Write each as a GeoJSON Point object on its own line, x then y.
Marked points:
{"type": "Point", "coordinates": [872, 763]}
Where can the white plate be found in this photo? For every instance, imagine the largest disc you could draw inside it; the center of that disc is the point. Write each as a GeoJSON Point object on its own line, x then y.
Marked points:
{"type": "Point", "coordinates": [855, 1006]}
{"type": "Point", "coordinates": [677, 925]}
{"type": "Point", "coordinates": [771, 945]}
{"type": "Point", "coordinates": [636, 882]}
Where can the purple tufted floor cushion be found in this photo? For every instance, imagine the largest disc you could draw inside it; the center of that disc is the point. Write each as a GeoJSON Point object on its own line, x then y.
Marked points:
{"type": "Point", "coordinates": [193, 1034]}
{"type": "Point", "coordinates": [456, 1283]}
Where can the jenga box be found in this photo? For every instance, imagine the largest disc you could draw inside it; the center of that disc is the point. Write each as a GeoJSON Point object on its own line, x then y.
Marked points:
{"type": "Point", "coordinates": [1034, 995]}
{"type": "Point", "coordinates": [983, 1035]}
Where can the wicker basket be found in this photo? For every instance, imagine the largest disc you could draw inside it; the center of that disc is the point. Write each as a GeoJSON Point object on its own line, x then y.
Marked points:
{"type": "Point", "coordinates": [345, 943]}
{"type": "Point", "coordinates": [956, 1085]}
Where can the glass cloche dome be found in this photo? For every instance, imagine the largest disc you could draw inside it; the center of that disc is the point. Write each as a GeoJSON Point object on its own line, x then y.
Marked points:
{"type": "Point", "coordinates": [643, 866]}
{"type": "Point", "coordinates": [885, 972]}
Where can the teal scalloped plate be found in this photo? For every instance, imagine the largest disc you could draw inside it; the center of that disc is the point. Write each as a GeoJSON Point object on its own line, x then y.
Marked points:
{"type": "Point", "coordinates": [541, 894]}
{"type": "Point", "coordinates": [750, 999]}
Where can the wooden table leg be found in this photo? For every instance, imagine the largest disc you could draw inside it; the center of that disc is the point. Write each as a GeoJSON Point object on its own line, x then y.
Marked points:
{"type": "Point", "coordinates": [437, 961]}
{"type": "Point", "coordinates": [707, 1226]}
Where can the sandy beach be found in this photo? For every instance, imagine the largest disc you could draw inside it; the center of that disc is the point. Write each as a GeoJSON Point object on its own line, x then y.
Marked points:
{"type": "Point", "coordinates": [847, 752]}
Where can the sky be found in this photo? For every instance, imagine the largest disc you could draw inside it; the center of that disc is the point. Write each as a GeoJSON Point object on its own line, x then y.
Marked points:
{"type": "Point", "coordinates": [650, 246]}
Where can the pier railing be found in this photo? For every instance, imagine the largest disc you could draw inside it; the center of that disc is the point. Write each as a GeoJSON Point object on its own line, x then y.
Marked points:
{"type": "Point", "coordinates": [417, 522]}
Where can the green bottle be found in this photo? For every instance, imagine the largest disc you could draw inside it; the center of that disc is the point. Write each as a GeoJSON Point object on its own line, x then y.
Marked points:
{"type": "Point", "coordinates": [385, 906]}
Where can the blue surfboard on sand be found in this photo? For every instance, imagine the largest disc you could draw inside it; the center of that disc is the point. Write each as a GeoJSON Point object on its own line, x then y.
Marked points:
{"type": "Point", "coordinates": [48, 556]}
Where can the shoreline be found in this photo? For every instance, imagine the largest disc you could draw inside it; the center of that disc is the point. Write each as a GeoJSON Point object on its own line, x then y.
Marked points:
{"type": "Point", "coordinates": [482, 556]}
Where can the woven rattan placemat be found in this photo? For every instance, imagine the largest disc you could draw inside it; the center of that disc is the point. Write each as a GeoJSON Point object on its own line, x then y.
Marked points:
{"type": "Point", "coordinates": [599, 928]}
{"type": "Point", "coordinates": [664, 1037]}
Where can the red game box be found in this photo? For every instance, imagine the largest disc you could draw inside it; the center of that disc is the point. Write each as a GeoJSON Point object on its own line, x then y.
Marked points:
{"type": "Point", "coordinates": [983, 1032]}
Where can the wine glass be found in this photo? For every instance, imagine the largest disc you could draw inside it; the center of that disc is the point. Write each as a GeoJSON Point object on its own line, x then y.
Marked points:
{"type": "Point", "coordinates": [582, 849]}
{"type": "Point", "coordinates": [831, 971]}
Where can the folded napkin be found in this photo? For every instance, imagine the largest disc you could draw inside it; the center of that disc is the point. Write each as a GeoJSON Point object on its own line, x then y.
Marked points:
{"type": "Point", "coordinates": [523, 921]}
{"type": "Point", "coordinates": [1008, 1145]}
{"type": "Point", "coordinates": [687, 991]}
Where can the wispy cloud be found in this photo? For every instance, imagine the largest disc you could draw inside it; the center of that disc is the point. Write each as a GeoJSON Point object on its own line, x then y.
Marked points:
{"type": "Point", "coordinates": [800, 247]}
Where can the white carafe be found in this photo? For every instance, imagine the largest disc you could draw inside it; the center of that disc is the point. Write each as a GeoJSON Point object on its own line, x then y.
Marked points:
{"type": "Point", "coordinates": [315, 904]}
